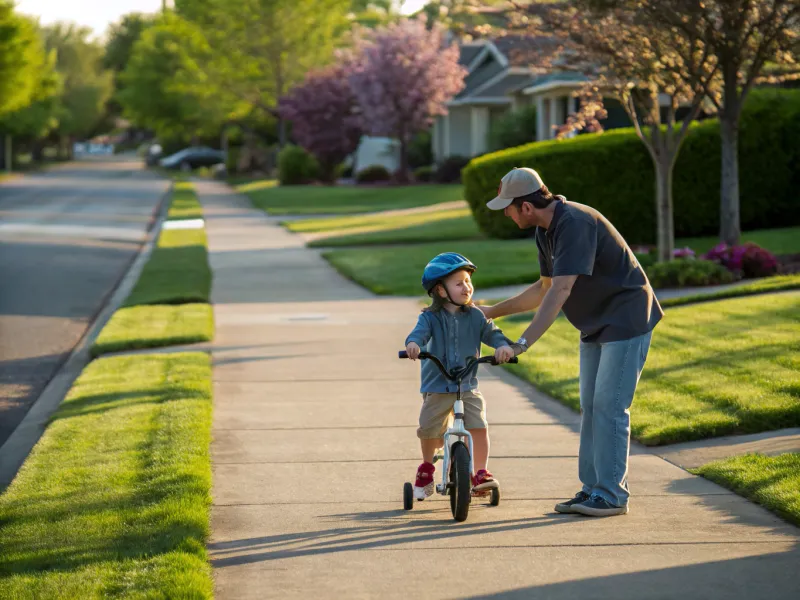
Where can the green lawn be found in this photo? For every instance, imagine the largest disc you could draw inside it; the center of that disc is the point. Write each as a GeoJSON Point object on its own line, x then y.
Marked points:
{"type": "Point", "coordinates": [444, 225]}
{"type": "Point", "coordinates": [777, 241]}
{"type": "Point", "coordinates": [717, 368]}
{"type": "Point", "coordinates": [152, 326]}
{"type": "Point", "coordinates": [398, 270]}
{"type": "Point", "coordinates": [177, 271]}
{"type": "Point", "coordinates": [766, 285]}
{"type": "Point", "coordinates": [312, 199]}
{"type": "Point", "coordinates": [772, 481]}
{"type": "Point", "coordinates": [113, 502]}
{"type": "Point", "coordinates": [184, 204]}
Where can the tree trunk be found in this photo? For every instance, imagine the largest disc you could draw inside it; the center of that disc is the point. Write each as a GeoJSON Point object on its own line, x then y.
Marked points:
{"type": "Point", "coordinates": [402, 172]}
{"type": "Point", "coordinates": [281, 132]}
{"type": "Point", "coordinates": [665, 224]}
{"type": "Point", "coordinates": [38, 151]}
{"type": "Point", "coordinates": [5, 153]}
{"type": "Point", "coordinates": [729, 223]}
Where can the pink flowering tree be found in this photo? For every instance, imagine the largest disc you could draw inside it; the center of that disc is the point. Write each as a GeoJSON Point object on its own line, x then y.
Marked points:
{"type": "Point", "coordinates": [325, 116]}
{"type": "Point", "coordinates": [403, 78]}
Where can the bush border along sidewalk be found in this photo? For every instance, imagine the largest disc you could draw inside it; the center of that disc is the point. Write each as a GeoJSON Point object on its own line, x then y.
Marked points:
{"type": "Point", "coordinates": [169, 303]}
{"type": "Point", "coordinates": [114, 499]}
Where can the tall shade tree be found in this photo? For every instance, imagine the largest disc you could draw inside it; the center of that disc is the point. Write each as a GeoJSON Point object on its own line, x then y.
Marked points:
{"type": "Point", "coordinates": [21, 55]}
{"type": "Point", "coordinates": [744, 37]}
{"type": "Point", "coordinates": [651, 71]}
{"type": "Point", "coordinates": [325, 116]}
{"type": "Point", "coordinates": [121, 38]}
{"type": "Point", "coordinates": [404, 75]}
{"type": "Point", "coordinates": [165, 87]}
{"type": "Point", "coordinates": [260, 49]}
{"type": "Point", "coordinates": [87, 86]}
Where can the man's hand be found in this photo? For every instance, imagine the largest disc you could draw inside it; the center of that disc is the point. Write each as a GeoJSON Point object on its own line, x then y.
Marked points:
{"type": "Point", "coordinates": [503, 354]}
{"type": "Point", "coordinates": [412, 350]}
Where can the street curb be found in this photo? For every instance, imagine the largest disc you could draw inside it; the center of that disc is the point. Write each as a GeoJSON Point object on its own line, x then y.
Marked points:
{"type": "Point", "coordinates": [20, 443]}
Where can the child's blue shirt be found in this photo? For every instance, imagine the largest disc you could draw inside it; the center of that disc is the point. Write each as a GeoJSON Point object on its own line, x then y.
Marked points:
{"type": "Point", "coordinates": [453, 337]}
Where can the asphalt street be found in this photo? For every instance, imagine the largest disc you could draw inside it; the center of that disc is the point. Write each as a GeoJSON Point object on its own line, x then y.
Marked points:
{"type": "Point", "coordinates": [67, 235]}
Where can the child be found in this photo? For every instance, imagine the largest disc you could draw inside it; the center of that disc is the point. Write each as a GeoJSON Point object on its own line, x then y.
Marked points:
{"type": "Point", "coordinates": [452, 328]}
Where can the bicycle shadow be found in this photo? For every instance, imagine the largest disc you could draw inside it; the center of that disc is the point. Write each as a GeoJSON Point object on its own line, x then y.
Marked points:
{"type": "Point", "coordinates": [382, 529]}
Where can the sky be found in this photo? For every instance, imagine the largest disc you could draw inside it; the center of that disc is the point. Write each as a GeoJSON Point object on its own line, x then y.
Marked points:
{"type": "Point", "coordinates": [98, 14]}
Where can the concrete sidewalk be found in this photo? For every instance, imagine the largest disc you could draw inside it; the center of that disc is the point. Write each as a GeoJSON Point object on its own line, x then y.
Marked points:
{"type": "Point", "coordinates": [314, 435]}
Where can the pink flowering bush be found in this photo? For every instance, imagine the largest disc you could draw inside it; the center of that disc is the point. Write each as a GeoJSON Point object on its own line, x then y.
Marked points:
{"type": "Point", "coordinates": [683, 253]}
{"type": "Point", "coordinates": [747, 260]}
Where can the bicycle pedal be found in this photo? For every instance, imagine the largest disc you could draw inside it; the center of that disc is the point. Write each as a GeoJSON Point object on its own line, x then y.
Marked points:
{"type": "Point", "coordinates": [438, 456]}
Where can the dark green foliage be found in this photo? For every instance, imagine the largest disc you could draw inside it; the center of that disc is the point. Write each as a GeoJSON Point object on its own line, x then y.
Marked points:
{"type": "Point", "coordinates": [296, 166]}
{"type": "Point", "coordinates": [613, 173]}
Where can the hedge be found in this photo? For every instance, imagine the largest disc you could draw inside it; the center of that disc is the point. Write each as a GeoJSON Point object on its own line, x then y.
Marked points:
{"type": "Point", "coordinates": [613, 173]}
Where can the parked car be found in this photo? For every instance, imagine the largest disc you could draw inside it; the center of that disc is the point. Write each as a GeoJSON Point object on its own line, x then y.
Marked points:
{"type": "Point", "coordinates": [192, 158]}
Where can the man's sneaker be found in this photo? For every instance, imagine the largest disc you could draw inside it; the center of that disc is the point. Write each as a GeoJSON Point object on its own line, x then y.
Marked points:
{"type": "Point", "coordinates": [599, 507]}
{"type": "Point", "coordinates": [484, 481]}
{"type": "Point", "coordinates": [423, 486]}
{"type": "Point", "coordinates": [568, 506]}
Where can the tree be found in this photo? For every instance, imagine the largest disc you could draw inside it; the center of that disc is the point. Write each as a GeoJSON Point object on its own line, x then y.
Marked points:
{"type": "Point", "coordinates": [743, 36]}
{"type": "Point", "coordinates": [87, 86]}
{"type": "Point", "coordinates": [403, 77]}
{"type": "Point", "coordinates": [165, 87]}
{"type": "Point", "coordinates": [260, 49]}
{"type": "Point", "coordinates": [21, 55]}
{"type": "Point", "coordinates": [324, 116]}
{"type": "Point", "coordinates": [121, 38]}
{"type": "Point", "coordinates": [625, 57]}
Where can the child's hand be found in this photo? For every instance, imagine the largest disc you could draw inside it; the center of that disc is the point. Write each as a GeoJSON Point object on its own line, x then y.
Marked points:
{"type": "Point", "coordinates": [413, 351]}
{"type": "Point", "coordinates": [503, 354]}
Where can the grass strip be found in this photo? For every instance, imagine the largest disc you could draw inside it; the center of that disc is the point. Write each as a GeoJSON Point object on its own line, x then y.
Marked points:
{"type": "Point", "coordinates": [771, 481]}
{"type": "Point", "coordinates": [113, 501]}
{"type": "Point", "coordinates": [717, 368]}
{"type": "Point", "coordinates": [153, 326]}
{"type": "Point", "coordinates": [398, 270]}
{"type": "Point", "coordinates": [345, 199]}
{"type": "Point", "coordinates": [766, 285]}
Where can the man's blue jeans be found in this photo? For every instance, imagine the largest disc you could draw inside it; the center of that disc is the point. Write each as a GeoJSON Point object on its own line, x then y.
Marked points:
{"type": "Point", "coordinates": [609, 374]}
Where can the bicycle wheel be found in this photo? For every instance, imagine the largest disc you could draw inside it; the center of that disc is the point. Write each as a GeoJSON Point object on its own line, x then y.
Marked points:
{"type": "Point", "coordinates": [495, 497]}
{"type": "Point", "coordinates": [408, 496]}
{"type": "Point", "coordinates": [461, 486]}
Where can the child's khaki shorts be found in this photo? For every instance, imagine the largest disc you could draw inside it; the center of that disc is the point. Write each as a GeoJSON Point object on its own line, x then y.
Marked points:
{"type": "Point", "coordinates": [437, 410]}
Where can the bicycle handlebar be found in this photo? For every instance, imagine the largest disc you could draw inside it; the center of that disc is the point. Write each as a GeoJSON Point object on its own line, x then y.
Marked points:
{"type": "Point", "coordinates": [468, 367]}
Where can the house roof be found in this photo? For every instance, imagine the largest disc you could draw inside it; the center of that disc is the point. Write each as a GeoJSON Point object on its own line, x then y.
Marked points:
{"type": "Point", "coordinates": [468, 52]}
{"type": "Point", "coordinates": [551, 80]}
{"type": "Point", "coordinates": [510, 82]}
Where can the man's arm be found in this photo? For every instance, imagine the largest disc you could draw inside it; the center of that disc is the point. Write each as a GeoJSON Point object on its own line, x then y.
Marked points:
{"type": "Point", "coordinates": [529, 299]}
{"type": "Point", "coordinates": [553, 300]}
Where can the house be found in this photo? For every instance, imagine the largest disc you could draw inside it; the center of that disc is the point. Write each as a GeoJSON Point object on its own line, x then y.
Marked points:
{"type": "Point", "coordinates": [502, 77]}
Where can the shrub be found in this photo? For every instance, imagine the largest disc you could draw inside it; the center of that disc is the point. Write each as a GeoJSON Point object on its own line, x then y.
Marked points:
{"type": "Point", "coordinates": [685, 272]}
{"type": "Point", "coordinates": [296, 166]}
{"type": "Point", "coordinates": [420, 150]}
{"type": "Point", "coordinates": [613, 173]}
{"type": "Point", "coordinates": [345, 171]}
{"type": "Point", "coordinates": [373, 174]}
{"type": "Point", "coordinates": [232, 159]}
{"type": "Point", "coordinates": [449, 171]}
{"type": "Point", "coordinates": [423, 173]}
{"type": "Point", "coordinates": [749, 260]}
{"type": "Point", "coordinates": [514, 128]}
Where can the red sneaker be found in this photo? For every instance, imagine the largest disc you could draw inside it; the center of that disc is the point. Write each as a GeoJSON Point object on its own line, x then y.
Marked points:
{"type": "Point", "coordinates": [423, 486]}
{"type": "Point", "coordinates": [483, 481]}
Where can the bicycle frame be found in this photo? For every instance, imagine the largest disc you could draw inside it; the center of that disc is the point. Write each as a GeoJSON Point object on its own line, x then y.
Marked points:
{"type": "Point", "coordinates": [457, 429]}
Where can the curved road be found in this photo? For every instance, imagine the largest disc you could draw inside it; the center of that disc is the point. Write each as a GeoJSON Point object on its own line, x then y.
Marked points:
{"type": "Point", "coordinates": [66, 237]}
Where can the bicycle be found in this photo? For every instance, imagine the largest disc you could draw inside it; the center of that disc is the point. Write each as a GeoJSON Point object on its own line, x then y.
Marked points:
{"type": "Point", "coordinates": [457, 465]}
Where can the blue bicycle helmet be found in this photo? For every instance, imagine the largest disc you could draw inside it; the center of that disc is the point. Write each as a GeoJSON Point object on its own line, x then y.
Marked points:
{"type": "Point", "coordinates": [441, 266]}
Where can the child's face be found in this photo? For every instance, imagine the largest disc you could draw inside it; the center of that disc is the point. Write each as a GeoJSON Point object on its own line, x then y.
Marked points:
{"type": "Point", "coordinates": [459, 285]}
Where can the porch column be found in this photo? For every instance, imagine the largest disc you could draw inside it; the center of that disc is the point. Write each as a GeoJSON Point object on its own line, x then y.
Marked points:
{"type": "Point", "coordinates": [553, 114]}
{"type": "Point", "coordinates": [573, 104]}
{"type": "Point", "coordinates": [541, 119]}
{"type": "Point", "coordinates": [479, 129]}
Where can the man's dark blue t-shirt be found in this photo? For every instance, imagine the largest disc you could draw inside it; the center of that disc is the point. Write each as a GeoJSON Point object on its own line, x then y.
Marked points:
{"type": "Point", "coordinates": [612, 299]}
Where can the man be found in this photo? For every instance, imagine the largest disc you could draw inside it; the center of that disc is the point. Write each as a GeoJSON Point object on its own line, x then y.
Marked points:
{"type": "Point", "coordinates": [588, 271]}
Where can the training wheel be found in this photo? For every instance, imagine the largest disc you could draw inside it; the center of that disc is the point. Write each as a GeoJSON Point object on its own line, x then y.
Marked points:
{"type": "Point", "coordinates": [495, 497]}
{"type": "Point", "coordinates": [408, 496]}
